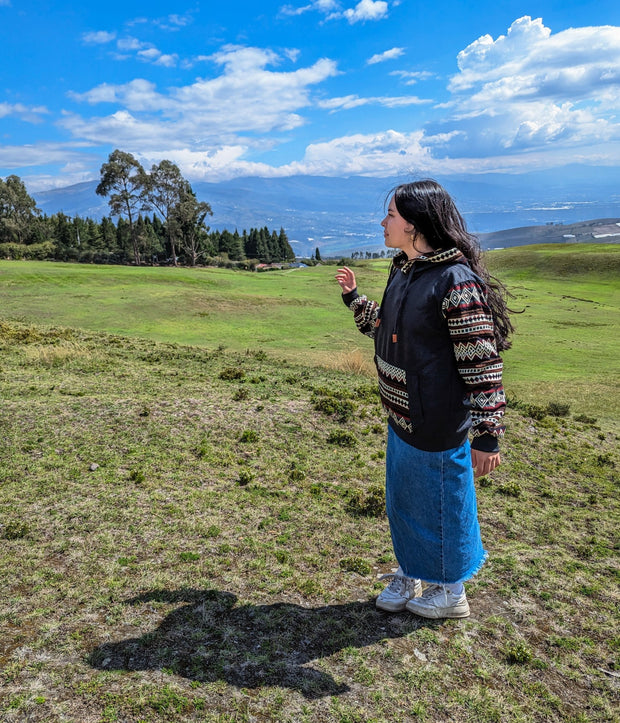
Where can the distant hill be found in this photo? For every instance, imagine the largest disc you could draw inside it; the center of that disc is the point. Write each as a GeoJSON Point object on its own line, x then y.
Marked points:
{"type": "Point", "coordinates": [604, 230]}
{"type": "Point", "coordinates": [342, 215]}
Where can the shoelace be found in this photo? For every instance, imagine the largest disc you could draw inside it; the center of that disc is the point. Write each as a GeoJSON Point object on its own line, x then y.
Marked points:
{"type": "Point", "coordinates": [399, 583]}
{"type": "Point", "coordinates": [432, 590]}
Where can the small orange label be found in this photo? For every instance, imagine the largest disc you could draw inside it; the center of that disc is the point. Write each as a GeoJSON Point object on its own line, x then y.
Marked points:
{"type": "Point", "coordinates": [394, 338]}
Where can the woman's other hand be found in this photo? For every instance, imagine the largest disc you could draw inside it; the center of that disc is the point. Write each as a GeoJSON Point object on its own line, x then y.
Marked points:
{"type": "Point", "coordinates": [346, 278]}
{"type": "Point", "coordinates": [484, 462]}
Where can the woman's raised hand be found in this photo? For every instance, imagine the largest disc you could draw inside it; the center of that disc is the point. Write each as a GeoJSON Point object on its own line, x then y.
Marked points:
{"type": "Point", "coordinates": [346, 278]}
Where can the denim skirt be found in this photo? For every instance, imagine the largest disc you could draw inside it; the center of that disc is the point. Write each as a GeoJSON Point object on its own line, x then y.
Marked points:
{"type": "Point", "coordinates": [431, 506]}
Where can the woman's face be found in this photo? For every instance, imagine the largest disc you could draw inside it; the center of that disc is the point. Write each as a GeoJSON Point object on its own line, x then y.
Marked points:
{"type": "Point", "coordinates": [397, 232]}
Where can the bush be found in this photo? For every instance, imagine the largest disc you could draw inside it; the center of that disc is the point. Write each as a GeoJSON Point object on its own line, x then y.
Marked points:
{"type": "Point", "coordinates": [518, 653]}
{"type": "Point", "coordinates": [370, 503]}
{"type": "Point", "coordinates": [249, 435]}
{"type": "Point", "coordinates": [342, 409]}
{"type": "Point", "coordinates": [245, 477]}
{"type": "Point", "coordinates": [355, 564]}
{"type": "Point", "coordinates": [584, 419]}
{"type": "Point", "coordinates": [14, 530]}
{"type": "Point", "coordinates": [558, 409]}
{"type": "Point", "coordinates": [232, 373]}
{"type": "Point", "coordinates": [342, 438]}
{"type": "Point", "coordinates": [535, 411]}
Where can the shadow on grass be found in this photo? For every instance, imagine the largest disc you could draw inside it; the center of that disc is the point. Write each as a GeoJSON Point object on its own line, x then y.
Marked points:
{"type": "Point", "coordinates": [249, 646]}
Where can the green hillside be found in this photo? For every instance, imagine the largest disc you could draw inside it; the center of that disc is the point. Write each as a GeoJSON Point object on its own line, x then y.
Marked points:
{"type": "Point", "coordinates": [565, 348]}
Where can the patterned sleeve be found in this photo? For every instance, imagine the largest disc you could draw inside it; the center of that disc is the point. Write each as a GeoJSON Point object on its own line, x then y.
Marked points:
{"type": "Point", "coordinates": [365, 312]}
{"type": "Point", "coordinates": [470, 325]}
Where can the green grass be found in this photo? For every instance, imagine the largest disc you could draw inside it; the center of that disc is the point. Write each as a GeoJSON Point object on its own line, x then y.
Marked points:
{"type": "Point", "coordinates": [565, 349]}
{"type": "Point", "coordinates": [175, 550]}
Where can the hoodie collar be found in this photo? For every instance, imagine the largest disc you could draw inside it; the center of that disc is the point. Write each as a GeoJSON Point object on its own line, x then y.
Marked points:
{"type": "Point", "coordinates": [400, 261]}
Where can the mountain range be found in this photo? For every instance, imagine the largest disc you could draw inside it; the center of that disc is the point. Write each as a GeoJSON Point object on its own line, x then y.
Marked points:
{"type": "Point", "coordinates": [342, 215]}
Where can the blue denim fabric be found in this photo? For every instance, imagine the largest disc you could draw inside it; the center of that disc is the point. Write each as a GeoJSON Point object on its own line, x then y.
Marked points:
{"type": "Point", "coordinates": [431, 506]}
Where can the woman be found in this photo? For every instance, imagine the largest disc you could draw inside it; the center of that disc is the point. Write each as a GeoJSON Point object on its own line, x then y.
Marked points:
{"type": "Point", "coordinates": [437, 334]}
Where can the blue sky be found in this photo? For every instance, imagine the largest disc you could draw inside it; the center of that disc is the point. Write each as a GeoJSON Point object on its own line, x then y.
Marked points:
{"type": "Point", "coordinates": [321, 87]}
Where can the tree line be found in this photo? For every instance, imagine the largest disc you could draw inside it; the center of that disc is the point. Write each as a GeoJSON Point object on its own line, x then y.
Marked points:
{"type": "Point", "coordinates": [159, 220]}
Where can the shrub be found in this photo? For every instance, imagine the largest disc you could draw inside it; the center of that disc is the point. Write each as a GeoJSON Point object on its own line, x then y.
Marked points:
{"type": "Point", "coordinates": [584, 419]}
{"type": "Point", "coordinates": [231, 373]}
{"type": "Point", "coordinates": [518, 653]}
{"type": "Point", "coordinates": [510, 489]}
{"type": "Point", "coordinates": [535, 411]}
{"type": "Point", "coordinates": [369, 503]}
{"type": "Point", "coordinates": [249, 435]}
{"type": "Point", "coordinates": [296, 474]}
{"type": "Point", "coordinates": [342, 438]}
{"type": "Point", "coordinates": [137, 476]}
{"type": "Point", "coordinates": [14, 530]}
{"type": "Point", "coordinates": [558, 409]}
{"type": "Point", "coordinates": [342, 409]}
{"type": "Point", "coordinates": [245, 477]}
{"type": "Point", "coordinates": [241, 394]}
{"type": "Point", "coordinates": [355, 564]}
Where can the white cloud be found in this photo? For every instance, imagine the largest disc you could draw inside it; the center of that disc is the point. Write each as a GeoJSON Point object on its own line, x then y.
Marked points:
{"type": "Point", "coordinates": [577, 62]}
{"type": "Point", "coordinates": [323, 6]}
{"type": "Point", "coordinates": [175, 21]}
{"type": "Point", "coordinates": [98, 37]}
{"type": "Point", "coordinates": [386, 55]}
{"type": "Point", "coordinates": [129, 43]}
{"type": "Point", "coordinates": [40, 154]}
{"type": "Point", "coordinates": [245, 97]}
{"type": "Point", "coordinates": [411, 77]}
{"type": "Point", "coordinates": [354, 101]}
{"type": "Point", "coordinates": [31, 114]}
{"type": "Point", "coordinates": [530, 89]}
{"type": "Point", "coordinates": [366, 10]}
{"type": "Point", "coordinates": [379, 154]}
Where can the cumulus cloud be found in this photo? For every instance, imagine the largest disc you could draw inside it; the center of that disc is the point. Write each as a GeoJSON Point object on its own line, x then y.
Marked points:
{"type": "Point", "coordinates": [366, 10]}
{"type": "Point", "coordinates": [385, 153]}
{"type": "Point", "coordinates": [386, 55]}
{"type": "Point", "coordinates": [98, 37]}
{"type": "Point", "coordinates": [246, 97]}
{"type": "Point", "coordinates": [531, 88]}
{"type": "Point", "coordinates": [381, 154]}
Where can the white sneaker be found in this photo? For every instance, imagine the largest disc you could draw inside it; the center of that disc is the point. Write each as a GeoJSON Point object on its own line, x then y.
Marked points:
{"type": "Point", "coordinates": [397, 594]}
{"type": "Point", "coordinates": [438, 602]}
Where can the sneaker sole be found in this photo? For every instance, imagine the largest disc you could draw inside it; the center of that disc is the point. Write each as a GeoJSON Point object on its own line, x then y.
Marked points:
{"type": "Point", "coordinates": [390, 607]}
{"type": "Point", "coordinates": [439, 613]}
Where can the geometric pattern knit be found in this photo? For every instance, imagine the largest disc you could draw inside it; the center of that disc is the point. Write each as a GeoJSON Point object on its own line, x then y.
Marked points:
{"type": "Point", "coordinates": [471, 330]}
{"type": "Point", "coordinates": [470, 325]}
{"type": "Point", "coordinates": [394, 395]}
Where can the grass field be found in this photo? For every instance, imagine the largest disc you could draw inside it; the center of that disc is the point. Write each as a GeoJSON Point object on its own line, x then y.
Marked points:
{"type": "Point", "coordinates": [194, 533]}
{"type": "Point", "coordinates": [566, 347]}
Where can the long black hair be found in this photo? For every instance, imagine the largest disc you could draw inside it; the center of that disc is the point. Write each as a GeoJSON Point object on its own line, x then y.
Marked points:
{"type": "Point", "coordinates": [429, 208]}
